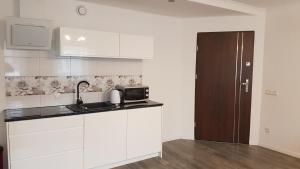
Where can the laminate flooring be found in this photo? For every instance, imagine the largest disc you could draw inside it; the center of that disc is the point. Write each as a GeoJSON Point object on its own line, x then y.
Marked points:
{"type": "Point", "coordinates": [187, 154]}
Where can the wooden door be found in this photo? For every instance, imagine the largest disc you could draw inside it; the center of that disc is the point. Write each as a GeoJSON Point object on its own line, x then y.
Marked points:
{"type": "Point", "coordinates": [222, 104]}
{"type": "Point", "coordinates": [245, 71]}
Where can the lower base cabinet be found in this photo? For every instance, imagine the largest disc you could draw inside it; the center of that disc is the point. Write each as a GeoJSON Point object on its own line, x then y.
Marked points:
{"type": "Point", "coordinates": [91, 141]}
{"type": "Point", "coordinates": [105, 138]}
{"type": "Point", "coordinates": [144, 132]}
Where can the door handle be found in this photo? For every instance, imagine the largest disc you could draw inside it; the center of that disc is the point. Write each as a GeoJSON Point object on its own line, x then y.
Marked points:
{"type": "Point", "coordinates": [246, 84]}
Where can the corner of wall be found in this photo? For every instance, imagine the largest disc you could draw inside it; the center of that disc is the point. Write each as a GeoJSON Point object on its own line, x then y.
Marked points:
{"type": "Point", "coordinates": [2, 94]}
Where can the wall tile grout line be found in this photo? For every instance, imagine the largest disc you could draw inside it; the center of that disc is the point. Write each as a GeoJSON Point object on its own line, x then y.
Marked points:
{"type": "Point", "coordinates": [40, 97]}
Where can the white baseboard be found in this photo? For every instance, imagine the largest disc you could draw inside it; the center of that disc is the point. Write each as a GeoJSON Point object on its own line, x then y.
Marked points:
{"type": "Point", "coordinates": [281, 150]}
{"type": "Point", "coordinates": [170, 139]}
{"type": "Point", "coordinates": [130, 161]}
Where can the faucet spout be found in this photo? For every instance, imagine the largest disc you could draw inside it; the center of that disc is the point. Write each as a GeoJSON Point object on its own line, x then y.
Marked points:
{"type": "Point", "coordinates": [79, 99]}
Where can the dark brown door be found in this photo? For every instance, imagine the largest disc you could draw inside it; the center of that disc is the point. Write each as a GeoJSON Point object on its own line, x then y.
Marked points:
{"type": "Point", "coordinates": [223, 86]}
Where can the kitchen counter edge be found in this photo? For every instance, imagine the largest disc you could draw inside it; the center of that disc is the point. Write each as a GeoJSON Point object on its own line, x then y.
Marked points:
{"type": "Point", "coordinates": [22, 114]}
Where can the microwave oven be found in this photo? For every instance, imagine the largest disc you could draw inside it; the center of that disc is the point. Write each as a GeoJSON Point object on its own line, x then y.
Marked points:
{"type": "Point", "coordinates": [132, 94]}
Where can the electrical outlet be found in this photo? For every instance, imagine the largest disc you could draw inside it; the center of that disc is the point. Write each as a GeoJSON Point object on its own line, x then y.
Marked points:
{"type": "Point", "coordinates": [267, 130]}
{"type": "Point", "coordinates": [271, 92]}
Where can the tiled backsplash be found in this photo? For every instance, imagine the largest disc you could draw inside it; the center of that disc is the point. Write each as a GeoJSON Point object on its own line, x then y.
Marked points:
{"type": "Point", "coordinates": [37, 78]}
{"type": "Point", "coordinates": [51, 85]}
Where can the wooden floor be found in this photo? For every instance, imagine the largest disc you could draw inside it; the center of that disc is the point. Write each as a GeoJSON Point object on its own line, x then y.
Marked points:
{"type": "Point", "coordinates": [184, 154]}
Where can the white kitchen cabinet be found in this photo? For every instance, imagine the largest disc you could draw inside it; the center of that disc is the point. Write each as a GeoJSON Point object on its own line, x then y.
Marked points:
{"type": "Point", "coordinates": [90, 141]}
{"type": "Point", "coordinates": [94, 43]}
{"type": "Point", "coordinates": [46, 143]}
{"type": "Point", "coordinates": [136, 46]}
{"type": "Point", "coordinates": [105, 138]}
{"type": "Point", "coordinates": [87, 43]}
{"type": "Point", "coordinates": [144, 132]}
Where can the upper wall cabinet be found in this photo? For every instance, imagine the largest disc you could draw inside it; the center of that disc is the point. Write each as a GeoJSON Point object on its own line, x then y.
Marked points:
{"type": "Point", "coordinates": [91, 43]}
{"type": "Point", "coordinates": [87, 43]}
{"type": "Point", "coordinates": [136, 46]}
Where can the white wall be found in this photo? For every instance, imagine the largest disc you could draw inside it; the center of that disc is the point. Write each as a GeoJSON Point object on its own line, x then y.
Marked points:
{"type": "Point", "coordinates": [215, 24]}
{"type": "Point", "coordinates": [281, 114]}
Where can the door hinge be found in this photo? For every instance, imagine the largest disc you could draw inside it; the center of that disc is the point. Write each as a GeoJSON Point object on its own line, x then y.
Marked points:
{"type": "Point", "coordinates": [197, 48]}
{"type": "Point", "coordinates": [196, 76]}
{"type": "Point", "coordinates": [195, 124]}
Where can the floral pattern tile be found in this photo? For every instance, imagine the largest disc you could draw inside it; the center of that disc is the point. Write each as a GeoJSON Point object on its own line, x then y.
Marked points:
{"type": "Point", "coordinates": [23, 86]}
{"type": "Point", "coordinates": [130, 80]}
{"type": "Point", "coordinates": [51, 85]}
{"type": "Point", "coordinates": [93, 87]}
{"type": "Point", "coordinates": [54, 85]}
{"type": "Point", "coordinates": [107, 82]}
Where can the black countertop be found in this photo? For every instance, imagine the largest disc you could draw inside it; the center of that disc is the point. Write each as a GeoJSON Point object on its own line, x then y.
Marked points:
{"type": "Point", "coordinates": [58, 111]}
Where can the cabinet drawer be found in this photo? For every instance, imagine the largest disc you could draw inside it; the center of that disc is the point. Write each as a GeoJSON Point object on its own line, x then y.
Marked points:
{"type": "Point", "coordinates": [40, 125]}
{"type": "Point", "coordinates": [45, 143]}
{"type": "Point", "coordinates": [67, 160]}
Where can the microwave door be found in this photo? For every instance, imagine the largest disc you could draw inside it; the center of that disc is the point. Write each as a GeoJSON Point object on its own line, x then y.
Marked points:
{"type": "Point", "coordinates": [135, 94]}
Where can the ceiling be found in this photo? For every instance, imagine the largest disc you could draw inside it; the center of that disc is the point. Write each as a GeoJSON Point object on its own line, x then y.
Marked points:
{"type": "Point", "coordinates": [181, 8]}
{"type": "Point", "coordinates": [187, 8]}
{"type": "Point", "coordinates": [267, 3]}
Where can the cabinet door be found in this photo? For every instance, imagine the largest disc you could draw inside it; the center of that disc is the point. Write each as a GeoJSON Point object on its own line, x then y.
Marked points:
{"type": "Point", "coordinates": [144, 132]}
{"type": "Point", "coordinates": [89, 43]}
{"type": "Point", "coordinates": [136, 46]}
{"type": "Point", "coordinates": [105, 138]}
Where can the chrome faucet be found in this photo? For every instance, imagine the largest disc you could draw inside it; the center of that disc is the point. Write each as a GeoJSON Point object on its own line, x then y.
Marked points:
{"type": "Point", "coordinates": [79, 99]}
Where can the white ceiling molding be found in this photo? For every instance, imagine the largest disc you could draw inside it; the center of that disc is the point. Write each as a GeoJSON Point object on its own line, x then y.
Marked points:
{"type": "Point", "coordinates": [233, 5]}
